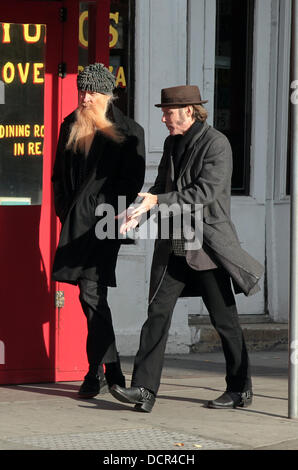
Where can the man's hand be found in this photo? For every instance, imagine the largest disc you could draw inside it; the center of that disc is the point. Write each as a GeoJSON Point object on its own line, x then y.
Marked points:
{"type": "Point", "coordinates": [149, 201]}
{"type": "Point", "coordinates": [128, 223]}
{"type": "Point", "coordinates": [132, 216]}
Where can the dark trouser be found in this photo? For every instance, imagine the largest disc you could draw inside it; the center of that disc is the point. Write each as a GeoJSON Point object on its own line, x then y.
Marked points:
{"type": "Point", "coordinates": [218, 297]}
{"type": "Point", "coordinates": [101, 346]}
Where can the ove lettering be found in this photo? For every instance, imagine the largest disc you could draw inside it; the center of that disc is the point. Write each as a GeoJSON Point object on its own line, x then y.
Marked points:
{"type": "Point", "coordinates": [32, 34]}
{"type": "Point", "coordinates": [10, 71]}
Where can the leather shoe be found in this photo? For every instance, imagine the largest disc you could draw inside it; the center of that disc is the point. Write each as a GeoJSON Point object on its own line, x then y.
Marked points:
{"type": "Point", "coordinates": [92, 386]}
{"type": "Point", "coordinates": [143, 398]}
{"type": "Point", "coordinates": [231, 400]}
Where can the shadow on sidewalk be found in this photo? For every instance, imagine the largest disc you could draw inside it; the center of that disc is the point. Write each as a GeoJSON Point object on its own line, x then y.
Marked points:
{"type": "Point", "coordinates": [54, 389]}
{"type": "Point", "coordinates": [70, 391]}
{"type": "Point", "coordinates": [67, 391]}
{"type": "Point", "coordinates": [204, 405]}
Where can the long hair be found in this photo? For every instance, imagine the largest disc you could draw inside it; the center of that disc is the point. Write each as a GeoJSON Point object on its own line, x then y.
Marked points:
{"type": "Point", "coordinates": [199, 112]}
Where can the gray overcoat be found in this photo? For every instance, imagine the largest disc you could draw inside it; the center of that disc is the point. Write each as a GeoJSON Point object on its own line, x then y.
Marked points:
{"type": "Point", "coordinates": [205, 179]}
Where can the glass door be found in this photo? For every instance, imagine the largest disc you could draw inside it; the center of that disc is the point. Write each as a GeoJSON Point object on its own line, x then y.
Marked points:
{"type": "Point", "coordinates": [30, 52]}
{"type": "Point", "coordinates": [22, 52]}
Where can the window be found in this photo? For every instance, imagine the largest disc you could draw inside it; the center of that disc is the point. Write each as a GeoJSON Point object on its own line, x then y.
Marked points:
{"type": "Point", "coordinates": [83, 34]}
{"type": "Point", "coordinates": [121, 43]}
{"type": "Point", "coordinates": [22, 51]}
{"type": "Point", "coordinates": [122, 60]}
{"type": "Point", "coordinates": [233, 78]}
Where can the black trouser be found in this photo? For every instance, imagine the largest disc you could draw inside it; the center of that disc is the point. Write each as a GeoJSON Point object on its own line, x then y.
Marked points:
{"type": "Point", "coordinates": [101, 346]}
{"type": "Point", "coordinates": [218, 297]}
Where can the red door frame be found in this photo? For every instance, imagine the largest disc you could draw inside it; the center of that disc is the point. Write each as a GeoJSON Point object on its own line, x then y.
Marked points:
{"type": "Point", "coordinates": [71, 363]}
{"type": "Point", "coordinates": [30, 327]}
{"type": "Point", "coordinates": [60, 100]}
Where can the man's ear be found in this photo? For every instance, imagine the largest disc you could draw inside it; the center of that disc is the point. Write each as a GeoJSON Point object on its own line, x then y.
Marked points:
{"type": "Point", "coordinates": [189, 111]}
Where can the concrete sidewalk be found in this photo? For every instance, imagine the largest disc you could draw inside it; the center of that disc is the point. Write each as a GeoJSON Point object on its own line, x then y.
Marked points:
{"type": "Point", "coordinates": [51, 417]}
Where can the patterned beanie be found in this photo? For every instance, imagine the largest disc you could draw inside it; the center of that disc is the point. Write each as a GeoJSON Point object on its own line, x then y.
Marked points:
{"type": "Point", "coordinates": [97, 78]}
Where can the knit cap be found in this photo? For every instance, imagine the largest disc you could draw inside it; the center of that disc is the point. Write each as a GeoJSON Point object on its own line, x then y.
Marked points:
{"type": "Point", "coordinates": [96, 77]}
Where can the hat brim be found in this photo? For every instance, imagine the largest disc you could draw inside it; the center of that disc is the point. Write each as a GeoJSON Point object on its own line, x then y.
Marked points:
{"type": "Point", "coordinates": [170, 105]}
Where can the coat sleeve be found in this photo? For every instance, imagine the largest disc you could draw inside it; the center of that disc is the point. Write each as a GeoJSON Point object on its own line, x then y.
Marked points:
{"type": "Point", "coordinates": [160, 181]}
{"type": "Point", "coordinates": [132, 175]}
{"type": "Point", "coordinates": [129, 178]}
{"type": "Point", "coordinates": [60, 196]}
{"type": "Point", "coordinates": [213, 178]}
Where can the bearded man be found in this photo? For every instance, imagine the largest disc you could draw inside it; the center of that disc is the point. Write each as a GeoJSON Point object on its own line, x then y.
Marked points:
{"type": "Point", "coordinates": [99, 158]}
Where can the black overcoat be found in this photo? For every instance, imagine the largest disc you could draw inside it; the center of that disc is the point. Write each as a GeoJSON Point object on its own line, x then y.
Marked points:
{"type": "Point", "coordinates": [113, 170]}
{"type": "Point", "coordinates": [204, 179]}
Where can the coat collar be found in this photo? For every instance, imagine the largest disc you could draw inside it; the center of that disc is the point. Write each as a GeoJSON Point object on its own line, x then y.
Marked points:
{"type": "Point", "coordinates": [116, 116]}
{"type": "Point", "coordinates": [186, 159]}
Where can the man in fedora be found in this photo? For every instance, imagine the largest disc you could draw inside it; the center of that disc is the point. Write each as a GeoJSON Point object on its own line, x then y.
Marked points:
{"type": "Point", "coordinates": [195, 171]}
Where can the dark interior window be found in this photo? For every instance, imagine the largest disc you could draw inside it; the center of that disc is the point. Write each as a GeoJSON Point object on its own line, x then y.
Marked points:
{"type": "Point", "coordinates": [122, 33]}
{"type": "Point", "coordinates": [233, 83]}
{"type": "Point", "coordinates": [121, 43]}
{"type": "Point", "coordinates": [22, 51]}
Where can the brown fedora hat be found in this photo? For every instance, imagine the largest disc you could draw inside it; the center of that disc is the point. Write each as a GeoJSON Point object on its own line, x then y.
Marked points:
{"type": "Point", "coordinates": [183, 95]}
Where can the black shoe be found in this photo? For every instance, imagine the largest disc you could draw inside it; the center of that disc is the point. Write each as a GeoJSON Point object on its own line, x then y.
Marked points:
{"type": "Point", "coordinates": [143, 398]}
{"type": "Point", "coordinates": [92, 386]}
{"type": "Point", "coordinates": [232, 400]}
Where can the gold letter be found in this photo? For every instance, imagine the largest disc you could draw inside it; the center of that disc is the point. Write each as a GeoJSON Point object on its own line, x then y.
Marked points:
{"type": "Point", "coordinates": [27, 36]}
{"type": "Point", "coordinates": [6, 32]}
{"type": "Point", "coordinates": [120, 77]}
{"type": "Point", "coordinates": [36, 73]}
{"type": "Point", "coordinates": [36, 132]}
{"type": "Point", "coordinates": [23, 75]}
{"type": "Point", "coordinates": [30, 148]}
{"type": "Point", "coordinates": [8, 78]}
{"type": "Point", "coordinates": [38, 150]}
{"type": "Point", "coordinates": [27, 130]}
{"type": "Point", "coordinates": [113, 32]}
{"type": "Point", "coordinates": [83, 17]}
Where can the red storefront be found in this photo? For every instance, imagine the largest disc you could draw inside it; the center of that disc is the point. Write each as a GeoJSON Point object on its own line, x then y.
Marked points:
{"type": "Point", "coordinates": [42, 329]}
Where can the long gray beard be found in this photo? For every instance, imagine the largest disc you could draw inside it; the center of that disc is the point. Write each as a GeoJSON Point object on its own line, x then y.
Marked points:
{"type": "Point", "coordinates": [87, 122]}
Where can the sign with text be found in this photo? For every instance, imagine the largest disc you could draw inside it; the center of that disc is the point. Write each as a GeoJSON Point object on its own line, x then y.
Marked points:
{"type": "Point", "coordinates": [22, 57]}
{"type": "Point", "coordinates": [121, 36]}
{"type": "Point", "coordinates": [116, 41]}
